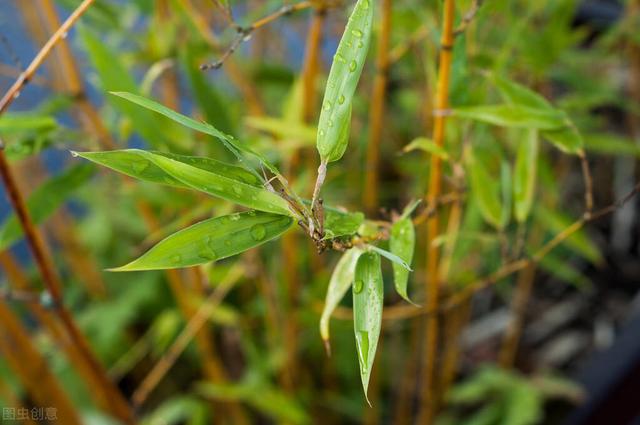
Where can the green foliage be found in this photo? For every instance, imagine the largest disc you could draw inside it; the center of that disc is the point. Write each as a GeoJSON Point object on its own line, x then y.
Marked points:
{"type": "Point", "coordinates": [212, 240]}
{"type": "Point", "coordinates": [45, 200]}
{"type": "Point", "coordinates": [368, 295]}
{"type": "Point", "coordinates": [348, 62]}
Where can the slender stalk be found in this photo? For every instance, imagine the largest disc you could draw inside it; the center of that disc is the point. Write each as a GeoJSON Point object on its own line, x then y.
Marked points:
{"type": "Point", "coordinates": [428, 408]}
{"type": "Point", "coordinates": [519, 303]}
{"type": "Point", "coordinates": [195, 324]}
{"type": "Point", "coordinates": [371, 194]}
{"type": "Point", "coordinates": [290, 242]}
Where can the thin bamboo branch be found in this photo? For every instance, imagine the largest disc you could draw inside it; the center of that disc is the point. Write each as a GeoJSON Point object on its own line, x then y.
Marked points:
{"type": "Point", "coordinates": [196, 322]}
{"type": "Point", "coordinates": [429, 390]}
{"type": "Point", "coordinates": [371, 193]}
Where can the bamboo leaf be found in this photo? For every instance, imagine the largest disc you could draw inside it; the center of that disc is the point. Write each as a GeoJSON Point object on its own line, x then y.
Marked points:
{"type": "Point", "coordinates": [426, 145]}
{"type": "Point", "coordinates": [212, 240]}
{"type": "Point", "coordinates": [368, 293]}
{"type": "Point", "coordinates": [567, 138]}
{"type": "Point", "coordinates": [45, 200]}
{"type": "Point", "coordinates": [518, 94]}
{"type": "Point", "coordinates": [338, 223]}
{"type": "Point", "coordinates": [485, 191]}
{"type": "Point", "coordinates": [524, 178]}
{"type": "Point", "coordinates": [211, 103]}
{"type": "Point", "coordinates": [213, 177]}
{"type": "Point", "coordinates": [402, 244]}
{"type": "Point", "coordinates": [234, 146]}
{"type": "Point", "coordinates": [513, 116]}
{"type": "Point", "coordinates": [114, 76]}
{"type": "Point", "coordinates": [21, 122]}
{"type": "Point", "coordinates": [391, 257]}
{"type": "Point", "coordinates": [341, 280]}
{"type": "Point", "coordinates": [346, 69]}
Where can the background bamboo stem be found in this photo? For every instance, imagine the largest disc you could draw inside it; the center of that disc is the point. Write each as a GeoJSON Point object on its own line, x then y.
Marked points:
{"type": "Point", "coordinates": [31, 367]}
{"type": "Point", "coordinates": [371, 194]}
{"type": "Point", "coordinates": [428, 408]}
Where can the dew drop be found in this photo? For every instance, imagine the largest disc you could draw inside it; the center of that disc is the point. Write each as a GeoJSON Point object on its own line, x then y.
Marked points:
{"type": "Point", "coordinates": [258, 232]}
{"type": "Point", "coordinates": [16, 95]}
{"type": "Point", "coordinates": [227, 242]}
{"type": "Point", "coordinates": [341, 99]}
{"type": "Point", "coordinates": [330, 123]}
{"type": "Point", "coordinates": [64, 35]}
{"type": "Point", "coordinates": [357, 286]}
{"type": "Point", "coordinates": [237, 190]}
{"type": "Point", "coordinates": [234, 217]}
{"type": "Point", "coordinates": [352, 66]}
{"type": "Point", "coordinates": [176, 259]}
{"type": "Point", "coordinates": [360, 44]}
{"type": "Point", "coordinates": [338, 57]}
{"type": "Point", "coordinates": [365, 4]}
{"type": "Point", "coordinates": [321, 133]}
{"type": "Point", "coordinates": [74, 154]}
{"type": "Point", "coordinates": [326, 106]}
{"type": "Point", "coordinates": [252, 213]}
{"type": "Point", "coordinates": [357, 33]}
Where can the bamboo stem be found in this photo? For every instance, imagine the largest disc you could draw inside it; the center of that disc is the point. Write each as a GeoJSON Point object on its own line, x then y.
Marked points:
{"type": "Point", "coordinates": [428, 408]}
{"type": "Point", "coordinates": [32, 368]}
{"type": "Point", "coordinates": [371, 194]}
{"type": "Point", "coordinates": [519, 303]}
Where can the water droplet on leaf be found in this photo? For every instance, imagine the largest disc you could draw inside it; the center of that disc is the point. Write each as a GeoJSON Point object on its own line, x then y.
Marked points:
{"type": "Point", "coordinates": [258, 232]}
{"type": "Point", "coordinates": [357, 286]}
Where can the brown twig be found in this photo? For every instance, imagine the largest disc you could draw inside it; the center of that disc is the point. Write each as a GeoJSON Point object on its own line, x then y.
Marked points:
{"type": "Point", "coordinates": [244, 33]}
{"type": "Point", "coordinates": [468, 17]}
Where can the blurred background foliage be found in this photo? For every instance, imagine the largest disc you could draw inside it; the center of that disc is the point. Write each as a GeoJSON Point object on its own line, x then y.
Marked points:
{"type": "Point", "coordinates": [260, 359]}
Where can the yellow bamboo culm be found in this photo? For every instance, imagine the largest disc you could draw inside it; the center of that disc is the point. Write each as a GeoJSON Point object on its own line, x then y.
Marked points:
{"type": "Point", "coordinates": [371, 192]}
{"type": "Point", "coordinates": [428, 407]}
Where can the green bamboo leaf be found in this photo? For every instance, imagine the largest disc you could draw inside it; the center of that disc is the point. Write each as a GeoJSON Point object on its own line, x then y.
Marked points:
{"type": "Point", "coordinates": [45, 200]}
{"type": "Point", "coordinates": [346, 69]}
{"type": "Point", "coordinates": [341, 280]}
{"type": "Point", "coordinates": [524, 178]}
{"type": "Point", "coordinates": [567, 138]}
{"type": "Point", "coordinates": [233, 145]}
{"type": "Point", "coordinates": [579, 242]}
{"type": "Point", "coordinates": [368, 293]}
{"type": "Point", "coordinates": [518, 116]}
{"type": "Point", "coordinates": [426, 145]}
{"type": "Point", "coordinates": [391, 257]}
{"type": "Point", "coordinates": [211, 103]}
{"type": "Point", "coordinates": [11, 123]}
{"type": "Point", "coordinates": [284, 129]}
{"type": "Point", "coordinates": [610, 144]}
{"type": "Point", "coordinates": [213, 177]}
{"type": "Point", "coordinates": [485, 191]}
{"type": "Point", "coordinates": [339, 223]}
{"type": "Point", "coordinates": [114, 76]}
{"type": "Point", "coordinates": [518, 94]}
{"type": "Point", "coordinates": [402, 243]}
{"type": "Point", "coordinates": [212, 240]}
